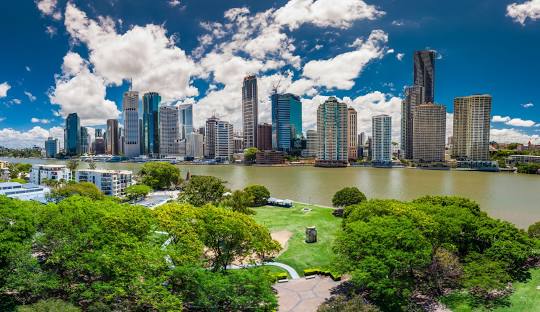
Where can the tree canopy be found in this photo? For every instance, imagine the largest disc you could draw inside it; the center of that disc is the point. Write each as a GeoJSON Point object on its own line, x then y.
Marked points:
{"type": "Point", "coordinates": [85, 189]}
{"type": "Point", "coordinates": [259, 193]}
{"type": "Point", "coordinates": [16, 170]}
{"type": "Point", "coordinates": [160, 175]}
{"type": "Point", "coordinates": [137, 191]}
{"type": "Point", "coordinates": [250, 154]}
{"type": "Point", "coordinates": [201, 190]}
{"type": "Point", "coordinates": [348, 196]}
{"type": "Point", "coordinates": [239, 201]}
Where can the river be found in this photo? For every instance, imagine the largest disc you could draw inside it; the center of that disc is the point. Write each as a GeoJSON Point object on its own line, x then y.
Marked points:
{"type": "Point", "coordinates": [509, 196]}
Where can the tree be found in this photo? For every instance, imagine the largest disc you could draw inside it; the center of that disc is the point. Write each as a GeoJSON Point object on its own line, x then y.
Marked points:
{"type": "Point", "coordinates": [348, 196]}
{"type": "Point", "coordinates": [92, 164]}
{"type": "Point", "coordinates": [137, 191]}
{"type": "Point", "coordinates": [534, 230]}
{"type": "Point", "coordinates": [15, 170]}
{"type": "Point", "coordinates": [160, 175]}
{"type": "Point", "coordinates": [260, 194]}
{"type": "Point", "coordinates": [22, 181]}
{"type": "Point", "coordinates": [72, 165]}
{"type": "Point", "coordinates": [85, 189]}
{"type": "Point", "coordinates": [239, 201]}
{"type": "Point", "coordinates": [201, 190]}
{"type": "Point", "coordinates": [341, 303]}
{"type": "Point", "coordinates": [250, 154]}
{"type": "Point", "coordinates": [49, 305]}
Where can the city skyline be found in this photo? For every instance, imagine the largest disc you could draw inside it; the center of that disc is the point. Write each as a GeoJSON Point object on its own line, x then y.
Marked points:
{"type": "Point", "coordinates": [36, 95]}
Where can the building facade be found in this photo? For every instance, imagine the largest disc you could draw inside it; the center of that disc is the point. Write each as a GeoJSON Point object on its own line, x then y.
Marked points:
{"type": "Point", "coordinates": [185, 122]}
{"type": "Point", "coordinates": [381, 140]}
{"type": "Point", "coordinates": [39, 173]}
{"type": "Point", "coordinates": [130, 105]}
{"type": "Point", "coordinates": [210, 137]}
{"type": "Point", "coordinates": [429, 131]}
{"type": "Point", "coordinates": [352, 139]}
{"type": "Point", "coordinates": [312, 144]}
{"type": "Point", "coordinates": [414, 96]}
{"type": "Point", "coordinates": [85, 141]}
{"type": "Point", "coordinates": [51, 147]}
{"type": "Point", "coordinates": [224, 145]}
{"type": "Point", "coordinates": [72, 135]}
{"type": "Point", "coordinates": [113, 137]}
{"type": "Point", "coordinates": [151, 101]}
{"type": "Point", "coordinates": [286, 120]}
{"type": "Point", "coordinates": [169, 132]}
{"type": "Point", "coordinates": [109, 182]}
{"type": "Point", "coordinates": [424, 73]}
{"type": "Point", "coordinates": [472, 117]}
{"type": "Point", "coordinates": [332, 133]}
{"type": "Point", "coordinates": [250, 110]}
{"type": "Point", "coordinates": [264, 137]}
{"type": "Point", "coordinates": [195, 145]}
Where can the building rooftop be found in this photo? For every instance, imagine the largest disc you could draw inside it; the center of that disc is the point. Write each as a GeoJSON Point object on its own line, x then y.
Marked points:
{"type": "Point", "coordinates": [48, 166]}
{"type": "Point", "coordinates": [106, 171]}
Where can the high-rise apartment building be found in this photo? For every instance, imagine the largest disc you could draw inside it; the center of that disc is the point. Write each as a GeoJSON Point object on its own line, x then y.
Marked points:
{"type": "Point", "coordinates": [381, 142]}
{"type": "Point", "coordinates": [312, 144]}
{"type": "Point", "coordinates": [113, 137]}
{"type": "Point", "coordinates": [429, 131]}
{"type": "Point", "coordinates": [264, 137]}
{"type": "Point", "coordinates": [85, 141]}
{"type": "Point", "coordinates": [151, 101]}
{"type": "Point", "coordinates": [424, 73]}
{"type": "Point", "coordinates": [72, 135]}
{"type": "Point", "coordinates": [250, 110]}
{"type": "Point", "coordinates": [51, 147]}
{"type": "Point", "coordinates": [169, 132]}
{"type": "Point", "coordinates": [224, 145]}
{"type": "Point", "coordinates": [195, 145]}
{"type": "Point", "coordinates": [130, 105]}
{"type": "Point", "coordinates": [332, 133]}
{"type": "Point", "coordinates": [352, 139]}
{"type": "Point", "coordinates": [210, 137]}
{"type": "Point", "coordinates": [414, 96]}
{"type": "Point", "coordinates": [109, 182]}
{"type": "Point", "coordinates": [472, 116]}
{"type": "Point", "coordinates": [286, 120]}
{"type": "Point", "coordinates": [185, 115]}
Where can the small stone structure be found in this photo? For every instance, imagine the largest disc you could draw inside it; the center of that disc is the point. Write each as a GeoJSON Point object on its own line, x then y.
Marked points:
{"type": "Point", "coordinates": [311, 234]}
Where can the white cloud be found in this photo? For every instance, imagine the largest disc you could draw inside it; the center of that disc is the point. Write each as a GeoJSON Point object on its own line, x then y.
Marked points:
{"type": "Point", "coordinates": [527, 105]}
{"type": "Point", "coordinates": [174, 3]}
{"type": "Point", "coordinates": [48, 8]}
{"type": "Point", "coordinates": [16, 101]}
{"type": "Point", "coordinates": [511, 135]}
{"type": "Point", "coordinates": [516, 122]}
{"type": "Point", "coordinates": [4, 88]}
{"type": "Point", "coordinates": [400, 56]}
{"type": "Point", "coordinates": [30, 96]}
{"type": "Point", "coordinates": [28, 68]}
{"type": "Point", "coordinates": [339, 72]}
{"type": "Point", "coordinates": [325, 13]}
{"type": "Point", "coordinates": [16, 139]}
{"type": "Point", "coordinates": [520, 12]}
{"type": "Point", "coordinates": [51, 31]}
{"type": "Point", "coordinates": [2, 119]}
{"type": "Point", "coordinates": [38, 120]}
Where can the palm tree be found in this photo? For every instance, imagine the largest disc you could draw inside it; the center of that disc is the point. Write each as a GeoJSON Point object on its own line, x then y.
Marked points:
{"type": "Point", "coordinates": [92, 164]}
{"type": "Point", "coordinates": [72, 165]}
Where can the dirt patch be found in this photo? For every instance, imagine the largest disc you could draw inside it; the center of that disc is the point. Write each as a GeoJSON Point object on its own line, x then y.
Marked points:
{"type": "Point", "coordinates": [282, 237]}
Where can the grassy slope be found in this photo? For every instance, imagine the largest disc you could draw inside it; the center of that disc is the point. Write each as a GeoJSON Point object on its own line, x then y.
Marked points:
{"type": "Point", "coordinates": [300, 255]}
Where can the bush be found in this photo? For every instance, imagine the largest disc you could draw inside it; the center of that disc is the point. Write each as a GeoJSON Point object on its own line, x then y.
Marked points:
{"type": "Point", "coordinates": [259, 193]}
{"type": "Point", "coordinates": [348, 196]}
{"type": "Point", "coordinates": [316, 271]}
{"type": "Point", "coordinates": [534, 230]}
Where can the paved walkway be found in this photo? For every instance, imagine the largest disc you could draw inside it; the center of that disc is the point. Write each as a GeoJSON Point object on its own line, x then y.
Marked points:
{"type": "Point", "coordinates": [304, 295]}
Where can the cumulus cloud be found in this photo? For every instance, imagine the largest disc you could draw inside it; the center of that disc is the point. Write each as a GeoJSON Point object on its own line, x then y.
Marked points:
{"type": "Point", "coordinates": [400, 56]}
{"type": "Point", "coordinates": [30, 96]}
{"type": "Point", "coordinates": [511, 135]}
{"type": "Point", "coordinates": [4, 88]}
{"type": "Point", "coordinates": [516, 122]}
{"type": "Point", "coordinates": [51, 31]}
{"type": "Point", "coordinates": [174, 3]}
{"type": "Point", "coordinates": [520, 12]}
{"type": "Point", "coordinates": [16, 139]}
{"type": "Point", "coordinates": [527, 105]}
{"type": "Point", "coordinates": [48, 8]}
{"type": "Point", "coordinates": [324, 13]}
{"type": "Point", "coordinates": [15, 101]}
{"type": "Point", "coordinates": [38, 120]}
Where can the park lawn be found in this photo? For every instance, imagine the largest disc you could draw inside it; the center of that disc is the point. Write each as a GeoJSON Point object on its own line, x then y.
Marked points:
{"type": "Point", "coordinates": [524, 298]}
{"type": "Point", "coordinates": [299, 254]}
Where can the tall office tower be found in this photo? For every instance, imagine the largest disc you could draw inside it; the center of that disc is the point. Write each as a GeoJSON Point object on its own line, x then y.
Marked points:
{"type": "Point", "coordinates": [85, 141]}
{"type": "Point", "coordinates": [286, 120]}
{"type": "Point", "coordinates": [472, 115]}
{"type": "Point", "coordinates": [72, 135]}
{"type": "Point", "coordinates": [352, 129]}
{"type": "Point", "coordinates": [429, 132]}
{"type": "Point", "coordinates": [98, 133]}
{"type": "Point", "coordinates": [332, 132]}
{"type": "Point", "coordinates": [185, 115]}
{"type": "Point", "coordinates": [141, 137]}
{"type": "Point", "coordinates": [202, 131]}
{"type": "Point", "coordinates": [250, 110]}
{"type": "Point", "coordinates": [51, 147]}
{"type": "Point", "coordinates": [381, 143]}
{"type": "Point", "coordinates": [264, 137]}
{"type": "Point", "coordinates": [113, 136]}
{"type": "Point", "coordinates": [195, 145]}
{"type": "Point", "coordinates": [99, 146]}
{"type": "Point", "coordinates": [121, 140]}
{"type": "Point", "coordinates": [169, 132]}
{"type": "Point", "coordinates": [151, 101]}
{"type": "Point", "coordinates": [424, 73]}
{"type": "Point", "coordinates": [361, 139]}
{"type": "Point", "coordinates": [130, 105]}
{"type": "Point", "coordinates": [312, 144]}
{"type": "Point", "coordinates": [224, 145]}
{"type": "Point", "coordinates": [414, 96]}
{"type": "Point", "coordinates": [210, 137]}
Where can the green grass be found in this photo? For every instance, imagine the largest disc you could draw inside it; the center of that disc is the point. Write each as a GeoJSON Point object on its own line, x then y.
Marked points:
{"type": "Point", "coordinates": [299, 254]}
{"type": "Point", "coordinates": [524, 298]}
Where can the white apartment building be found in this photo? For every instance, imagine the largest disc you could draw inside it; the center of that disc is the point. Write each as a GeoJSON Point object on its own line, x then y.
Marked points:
{"type": "Point", "coordinates": [382, 139]}
{"type": "Point", "coordinates": [27, 191]}
{"type": "Point", "coordinates": [224, 145]}
{"type": "Point", "coordinates": [195, 145]}
{"type": "Point", "coordinates": [312, 144]}
{"type": "Point", "coordinates": [109, 182]}
{"type": "Point", "coordinates": [39, 173]}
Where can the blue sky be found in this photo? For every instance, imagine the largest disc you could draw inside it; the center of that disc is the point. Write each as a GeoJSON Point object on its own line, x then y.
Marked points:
{"type": "Point", "coordinates": [62, 56]}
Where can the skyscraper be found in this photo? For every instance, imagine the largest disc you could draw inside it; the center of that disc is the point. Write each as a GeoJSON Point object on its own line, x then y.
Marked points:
{"type": "Point", "coordinates": [332, 133]}
{"type": "Point", "coordinates": [151, 101]}
{"type": "Point", "coordinates": [472, 115]}
{"type": "Point", "coordinates": [85, 141]}
{"type": "Point", "coordinates": [286, 120]}
{"type": "Point", "coordinates": [130, 105]}
{"type": "Point", "coordinates": [264, 137]}
{"type": "Point", "coordinates": [185, 115]}
{"type": "Point", "coordinates": [381, 142]}
{"type": "Point", "coordinates": [51, 147]}
{"type": "Point", "coordinates": [210, 137]}
{"type": "Point", "coordinates": [352, 139]}
{"type": "Point", "coordinates": [224, 145]}
{"type": "Point", "coordinates": [312, 144]}
{"type": "Point", "coordinates": [169, 134]}
{"type": "Point", "coordinates": [250, 111]}
{"type": "Point", "coordinates": [424, 73]}
{"type": "Point", "coordinates": [414, 96]}
{"type": "Point", "coordinates": [429, 132]}
{"type": "Point", "coordinates": [113, 136]}
{"type": "Point", "coordinates": [72, 135]}
{"type": "Point", "coordinates": [195, 145]}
